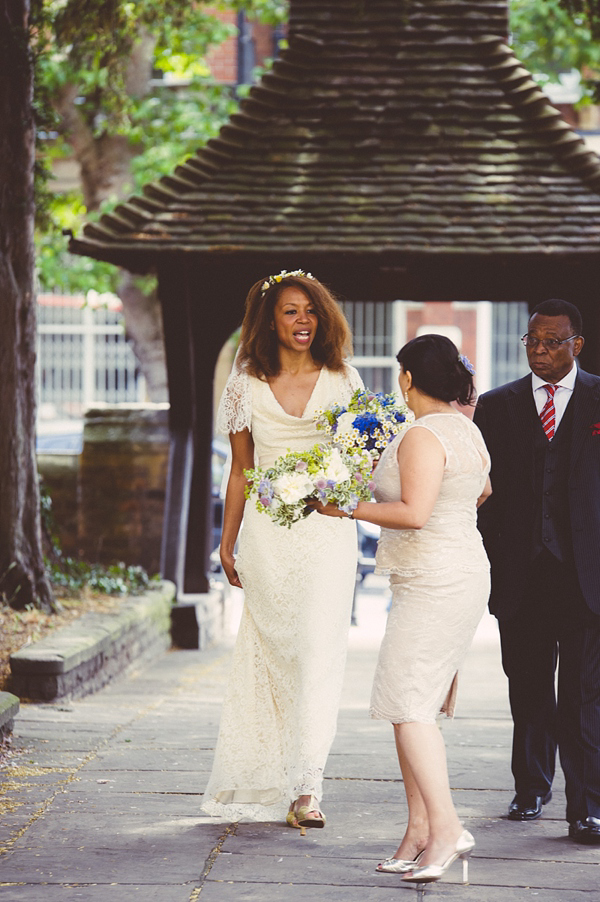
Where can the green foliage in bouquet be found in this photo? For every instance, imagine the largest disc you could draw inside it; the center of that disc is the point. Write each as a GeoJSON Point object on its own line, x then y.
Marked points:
{"type": "Point", "coordinates": [323, 473]}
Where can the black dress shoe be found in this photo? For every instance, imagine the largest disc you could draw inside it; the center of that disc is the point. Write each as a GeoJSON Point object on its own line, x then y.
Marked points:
{"type": "Point", "coordinates": [586, 832]}
{"type": "Point", "coordinates": [525, 807]}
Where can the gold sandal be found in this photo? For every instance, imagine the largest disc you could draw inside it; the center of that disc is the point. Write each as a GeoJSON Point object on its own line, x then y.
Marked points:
{"type": "Point", "coordinates": [305, 821]}
{"type": "Point", "coordinates": [290, 817]}
{"type": "Point", "coordinates": [299, 817]}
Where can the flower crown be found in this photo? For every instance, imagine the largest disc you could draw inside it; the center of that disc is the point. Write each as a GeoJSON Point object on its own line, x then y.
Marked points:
{"type": "Point", "coordinates": [467, 364]}
{"type": "Point", "coordinates": [284, 274]}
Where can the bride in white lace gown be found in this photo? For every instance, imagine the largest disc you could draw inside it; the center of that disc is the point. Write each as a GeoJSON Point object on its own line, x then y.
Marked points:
{"type": "Point", "coordinates": [280, 710]}
{"type": "Point", "coordinates": [429, 482]}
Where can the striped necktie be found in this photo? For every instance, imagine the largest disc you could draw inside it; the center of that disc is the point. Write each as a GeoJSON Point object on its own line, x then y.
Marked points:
{"type": "Point", "coordinates": [547, 414]}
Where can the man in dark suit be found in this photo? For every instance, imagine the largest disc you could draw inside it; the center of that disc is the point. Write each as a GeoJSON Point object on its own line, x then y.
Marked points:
{"type": "Point", "coordinates": [541, 529]}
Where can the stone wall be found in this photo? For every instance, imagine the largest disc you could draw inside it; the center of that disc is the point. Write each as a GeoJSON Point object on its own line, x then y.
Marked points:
{"type": "Point", "coordinates": [59, 473]}
{"type": "Point", "coordinates": [85, 655]}
{"type": "Point", "coordinates": [108, 502]}
{"type": "Point", "coordinates": [122, 483]}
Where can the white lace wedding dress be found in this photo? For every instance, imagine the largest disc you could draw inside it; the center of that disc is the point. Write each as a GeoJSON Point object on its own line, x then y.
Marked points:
{"type": "Point", "coordinates": [439, 576]}
{"type": "Point", "coordinates": [280, 710]}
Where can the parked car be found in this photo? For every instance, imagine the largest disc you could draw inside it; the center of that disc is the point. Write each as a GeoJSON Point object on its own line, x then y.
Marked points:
{"type": "Point", "coordinates": [368, 536]}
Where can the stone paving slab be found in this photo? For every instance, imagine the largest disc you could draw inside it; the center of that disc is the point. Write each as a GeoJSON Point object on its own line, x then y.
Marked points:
{"type": "Point", "coordinates": [78, 892]}
{"type": "Point", "coordinates": [153, 807]}
{"type": "Point", "coordinates": [144, 759]}
{"type": "Point", "coordinates": [284, 892]}
{"type": "Point", "coordinates": [359, 873]}
{"type": "Point", "coordinates": [100, 865]}
{"type": "Point", "coordinates": [93, 718]}
{"type": "Point", "coordinates": [165, 781]}
{"type": "Point", "coordinates": [73, 738]}
{"type": "Point", "coordinates": [166, 836]}
{"type": "Point", "coordinates": [376, 837]}
{"type": "Point", "coordinates": [487, 769]}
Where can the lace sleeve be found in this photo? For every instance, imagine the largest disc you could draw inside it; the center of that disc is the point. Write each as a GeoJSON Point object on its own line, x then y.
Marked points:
{"type": "Point", "coordinates": [352, 379]}
{"type": "Point", "coordinates": [235, 408]}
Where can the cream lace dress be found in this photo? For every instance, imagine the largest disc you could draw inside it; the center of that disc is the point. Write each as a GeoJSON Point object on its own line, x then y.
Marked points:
{"type": "Point", "coordinates": [439, 576]}
{"type": "Point", "coordinates": [280, 710]}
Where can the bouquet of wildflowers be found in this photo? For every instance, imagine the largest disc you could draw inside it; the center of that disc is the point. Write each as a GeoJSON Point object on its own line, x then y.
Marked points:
{"type": "Point", "coordinates": [324, 473]}
{"type": "Point", "coordinates": [368, 422]}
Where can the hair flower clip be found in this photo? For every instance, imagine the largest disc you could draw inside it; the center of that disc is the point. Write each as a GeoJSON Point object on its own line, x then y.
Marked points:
{"type": "Point", "coordinates": [284, 274]}
{"type": "Point", "coordinates": [467, 364]}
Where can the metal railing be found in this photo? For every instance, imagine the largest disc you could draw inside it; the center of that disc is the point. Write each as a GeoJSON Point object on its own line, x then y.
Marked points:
{"type": "Point", "coordinates": [83, 357]}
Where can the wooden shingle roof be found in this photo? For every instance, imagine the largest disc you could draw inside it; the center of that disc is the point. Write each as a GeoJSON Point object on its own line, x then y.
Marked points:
{"type": "Point", "coordinates": [404, 126]}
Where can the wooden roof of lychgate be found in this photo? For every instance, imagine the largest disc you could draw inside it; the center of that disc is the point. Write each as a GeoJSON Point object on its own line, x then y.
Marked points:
{"type": "Point", "coordinates": [402, 126]}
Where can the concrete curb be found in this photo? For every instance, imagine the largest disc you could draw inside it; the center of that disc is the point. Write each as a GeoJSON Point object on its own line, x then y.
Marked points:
{"type": "Point", "coordinates": [82, 657]}
{"type": "Point", "coordinates": [9, 708]}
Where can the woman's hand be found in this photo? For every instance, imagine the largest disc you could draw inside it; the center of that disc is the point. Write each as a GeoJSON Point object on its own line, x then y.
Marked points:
{"type": "Point", "coordinates": [228, 564]}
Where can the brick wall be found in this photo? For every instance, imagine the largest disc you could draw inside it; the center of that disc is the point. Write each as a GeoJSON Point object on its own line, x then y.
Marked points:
{"type": "Point", "coordinates": [222, 60]}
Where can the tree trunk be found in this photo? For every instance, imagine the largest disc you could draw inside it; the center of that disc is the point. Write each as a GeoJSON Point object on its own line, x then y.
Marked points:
{"type": "Point", "coordinates": [144, 328]}
{"type": "Point", "coordinates": [104, 162]}
{"type": "Point", "coordinates": [22, 576]}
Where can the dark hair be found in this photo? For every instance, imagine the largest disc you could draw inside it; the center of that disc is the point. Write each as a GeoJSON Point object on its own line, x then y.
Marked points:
{"type": "Point", "coordinates": [437, 369]}
{"type": "Point", "coordinates": [259, 346]}
{"type": "Point", "coordinates": [558, 307]}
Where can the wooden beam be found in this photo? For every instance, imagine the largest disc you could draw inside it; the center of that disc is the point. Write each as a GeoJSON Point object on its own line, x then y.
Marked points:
{"type": "Point", "coordinates": [215, 309]}
{"type": "Point", "coordinates": [173, 297]}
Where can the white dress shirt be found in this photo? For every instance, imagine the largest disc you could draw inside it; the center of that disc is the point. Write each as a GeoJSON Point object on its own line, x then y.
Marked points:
{"type": "Point", "coordinates": [562, 395]}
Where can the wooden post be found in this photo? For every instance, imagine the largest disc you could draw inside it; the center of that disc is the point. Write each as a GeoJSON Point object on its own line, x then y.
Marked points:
{"type": "Point", "coordinates": [211, 325]}
{"type": "Point", "coordinates": [195, 330]}
{"type": "Point", "coordinates": [181, 395]}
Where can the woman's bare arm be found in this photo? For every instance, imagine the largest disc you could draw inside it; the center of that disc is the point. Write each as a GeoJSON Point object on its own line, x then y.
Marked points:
{"type": "Point", "coordinates": [421, 460]}
{"type": "Point", "coordinates": [242, 454]}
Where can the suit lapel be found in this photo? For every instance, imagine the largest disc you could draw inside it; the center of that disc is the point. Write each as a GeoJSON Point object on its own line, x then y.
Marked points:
{"type": "Point", "coordinates": [522, 413]}
{"type": "Point", "coordinates": [586, 402]}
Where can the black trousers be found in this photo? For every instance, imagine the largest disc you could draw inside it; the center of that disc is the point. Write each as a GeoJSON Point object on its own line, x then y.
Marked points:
{"type": "Point", "coordinates": [555, 626]}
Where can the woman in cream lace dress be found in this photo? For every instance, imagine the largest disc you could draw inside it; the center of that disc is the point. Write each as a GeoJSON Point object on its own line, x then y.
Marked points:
{"type": "Point", "coordinates": [280, 710]}
{"type": "Point", "coordinates": [429, 482]}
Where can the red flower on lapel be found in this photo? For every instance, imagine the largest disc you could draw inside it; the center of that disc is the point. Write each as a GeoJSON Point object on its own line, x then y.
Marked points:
{"type": "Point", "coordinates": [595, 427]}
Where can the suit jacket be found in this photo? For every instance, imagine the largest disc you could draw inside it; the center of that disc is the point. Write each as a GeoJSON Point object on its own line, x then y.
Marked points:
{"type": "Point", "coordinates": [507, 417]}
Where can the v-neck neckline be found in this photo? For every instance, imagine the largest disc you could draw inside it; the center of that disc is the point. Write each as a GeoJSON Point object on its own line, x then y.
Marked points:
{"type": "Point", "coordinates": [306, 406]}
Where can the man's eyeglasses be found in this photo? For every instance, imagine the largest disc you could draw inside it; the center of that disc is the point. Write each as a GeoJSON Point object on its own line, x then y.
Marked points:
{"type": "Point", "coordinates": [550, 344]}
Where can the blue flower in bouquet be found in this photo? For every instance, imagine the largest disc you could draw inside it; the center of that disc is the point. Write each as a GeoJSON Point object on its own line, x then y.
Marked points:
{"type": "Point", "coordinates": [368, 422]}
{"type": "Point", "coordinates": [324, 472]}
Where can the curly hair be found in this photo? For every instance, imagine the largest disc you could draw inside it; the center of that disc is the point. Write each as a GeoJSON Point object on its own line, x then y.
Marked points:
{"type": "Point", "coordinates": [259, 349]}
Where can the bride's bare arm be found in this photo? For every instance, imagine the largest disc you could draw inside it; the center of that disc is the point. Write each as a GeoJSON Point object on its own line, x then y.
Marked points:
{"type": "Point", "coordinates": [421, 460]}
{"type": "Point", "coordinates": [242, 458]}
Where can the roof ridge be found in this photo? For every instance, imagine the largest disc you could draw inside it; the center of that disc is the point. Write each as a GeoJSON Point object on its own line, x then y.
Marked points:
{"type": "Point", "coordinates": [528, 98]}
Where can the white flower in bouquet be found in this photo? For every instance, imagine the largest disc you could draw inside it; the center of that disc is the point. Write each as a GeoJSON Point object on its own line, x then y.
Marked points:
{"type": "Point", "coordinates": [323, 473]}
{"type": "Point", "coordinates": [345, 423]}
{"type": "Point", "coordinates": [292, 487]}
{"type": "Point", "coordinates": [368, 422]}
{"type": "Point", "coordinates": [336, 469]}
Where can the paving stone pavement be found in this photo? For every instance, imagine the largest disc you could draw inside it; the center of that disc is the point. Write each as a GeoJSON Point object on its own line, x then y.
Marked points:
{"type": "Point", "coordinates": [100, 797]}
